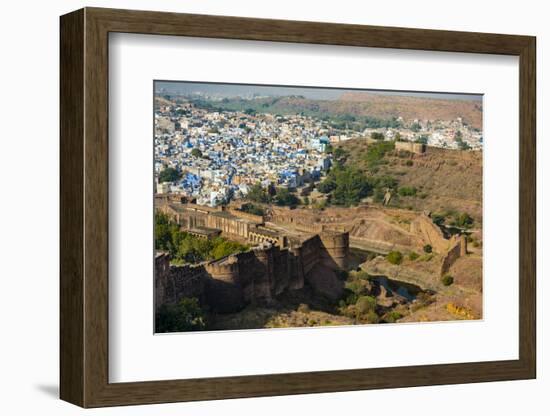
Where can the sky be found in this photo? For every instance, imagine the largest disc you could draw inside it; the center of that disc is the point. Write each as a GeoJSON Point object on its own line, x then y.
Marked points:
{"type": "Point", "coordinates": [316, 93]}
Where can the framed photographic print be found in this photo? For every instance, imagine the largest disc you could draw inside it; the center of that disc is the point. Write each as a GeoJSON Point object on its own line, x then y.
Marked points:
{"type": "Point", "coordinates": [256, 207]}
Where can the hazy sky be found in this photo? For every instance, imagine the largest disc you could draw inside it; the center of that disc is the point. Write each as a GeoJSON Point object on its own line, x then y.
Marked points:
{"type": "Point", "coordinates": [232, 90]}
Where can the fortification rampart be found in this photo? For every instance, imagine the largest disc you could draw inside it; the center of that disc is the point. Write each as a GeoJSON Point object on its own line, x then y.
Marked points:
{"type": "Point", "coordinates": [430, 232]}
{"type": "Point", "coordinates": [458, 249]}
{"type": "Point", "coordinates": [418, 148]}
{"type": "Point", "coordinates": [255, 276]}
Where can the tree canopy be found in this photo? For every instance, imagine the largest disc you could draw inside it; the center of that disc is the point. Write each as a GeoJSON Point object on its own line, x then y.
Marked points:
{"type": "Point", "coordinates": [196, 152]}
{"type": "Point", "coordinates": [286, 198]}
{"type": "Point", "coordinates": [257, 193]}
{"type": "Point", "coordinates": [186, 248]}
{"type": "Point", "coordinates": [169, 175]}
{"type": "Point", "coordinates": [187, 315]}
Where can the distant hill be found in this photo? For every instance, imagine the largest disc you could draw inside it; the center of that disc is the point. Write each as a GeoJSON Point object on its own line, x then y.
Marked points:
{"type": "Point", "coordinates": [410, 108]}
{"type": "Point", "coordinates": [357, 107]}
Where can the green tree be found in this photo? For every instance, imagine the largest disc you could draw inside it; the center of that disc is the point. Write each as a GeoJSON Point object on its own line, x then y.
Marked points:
{"type": "Point", "coordinates": [376, 153]}
{"type": "Point", "coordinates": [376, 136]}
{"type": "Point", "coordinates": [326, 186]}
{"type": "Point", "coordinates": [169, 175]}
{"type": "Point", "coordinates": [339, 153]}
{"type": "Point", "coordinates": [365, 304]}
{"type": "Point", "coordinates": [187, 315]}
{"type": "Point", "coordinates": [463, 220]}
{"type": "Point", "coordinates": [257, 193]}
{"type": "Point", "coordinates": [164, 233]}
{"type": "Point", "coordinates": [351, 185]}
{"type": "Point", "coordinates": [447, 280]}
{"type": "Point", "coordinates": [196, 152]}
{"type": "Point", "coordinates": [427, 248]}
{"type": "Point", "coordinates": [395, 257]}
{"type": "Point", "coordinates": [286, 198]}
{"type": "Point", "coordinates": [253, 209]}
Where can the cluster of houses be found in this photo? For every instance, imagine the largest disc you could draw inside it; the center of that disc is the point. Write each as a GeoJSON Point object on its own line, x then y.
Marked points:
{"type": "Point", "coordinates": [221, 154]}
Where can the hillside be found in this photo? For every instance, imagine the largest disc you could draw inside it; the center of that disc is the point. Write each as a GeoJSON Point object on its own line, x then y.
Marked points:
{"type": "Point", "coordinates": [445, 180]}
{"type": "Point", "coordinates": [410, 108]}
{"type": "Point", "coordinates": [364, 109]}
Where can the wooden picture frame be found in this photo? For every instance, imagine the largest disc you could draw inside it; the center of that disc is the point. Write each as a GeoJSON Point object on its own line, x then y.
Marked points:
{"type": "Point", "coordinates": [84, 207]}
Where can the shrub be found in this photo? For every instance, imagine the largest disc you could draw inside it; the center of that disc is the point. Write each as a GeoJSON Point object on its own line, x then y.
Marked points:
{"type": "Point", "coordinates": [407, 191]}
{"type": "Point", "coordinates": [427, 248]}
{"type": "Point", "coordinates": [447, 280]}
{"type": "Point", "coordinates": [365, 304]}
{"type": "Point", "coordinates": [463, 220]}
{"type": "Point", "coordinates": [413, 256]}
{"type": "Point", "coordinates": [363, 275]}
{"type": "Point", "coordinates": [392, 317]}
{"type": "Point", "coordinates": [252, 209]}
{"type": "Point", "coordinates": [395, 257]}
{"type": "Point", "coordinates": [286, 198]}
{"type": "Point", "coordinates": [371, 318]}
{"type": "Point", "coordinates": [409, 162]}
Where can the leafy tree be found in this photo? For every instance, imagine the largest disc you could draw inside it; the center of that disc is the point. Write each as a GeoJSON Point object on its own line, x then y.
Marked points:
{"type": "Point", "coordinates": [222, 248]}
{"type": "Point", "coordinates": [438, 218]}
{"type": "Point", "coordinates": [351, 185]}
{"type": "Point", "coordinates": [252, 209]}
{"type": "Point", "coordinates": [463, 220]}
{"type": "Point", "coordinates": [286, 198]}
{"type": "Point", "coordinates": [169, 175]}
{"type": "Point", "coordinates": [186, 248]}
{"type": "Point", "coordinates": [395, 257]}
{"type": "Point", "coordinates": [427, 248]}
{"type": "Point", "coordinates": [257, 193]}
{"type": "Point", "coordinates": [196, 152]}
{"type": "Point", "coordinates": [365, 304]}
{"type": "Point", "coordinates": [377, 151]}
{"type": "Point", "coordinates": [164, 231]}
{"type": "Point", "coordinates": [416, 127]}
{"type": "Point", "coordinates": [447, 280]}
{"type": "Point", "coordinates": [339, 153]}
{"type": "Point", "coordinates": [187, 315]}
{"type": "Point", "coordinates": [327, 186]}
{"type": "Point", "coordinates": [376, 135]}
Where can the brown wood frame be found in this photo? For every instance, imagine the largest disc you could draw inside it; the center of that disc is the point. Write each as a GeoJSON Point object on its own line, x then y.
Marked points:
{"type": "Point", "coordinates": [84, 207]}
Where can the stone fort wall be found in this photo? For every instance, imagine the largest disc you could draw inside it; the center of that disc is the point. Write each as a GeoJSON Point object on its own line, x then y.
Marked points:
{"type": "Point", "coordinates": [255, 276]}
{"type": "Point", "coordinates": [458, 249]}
